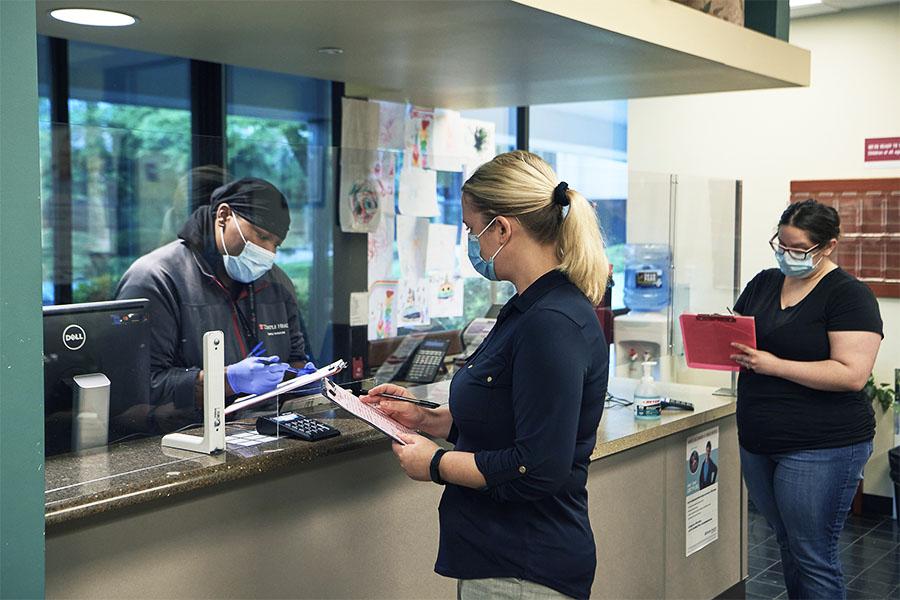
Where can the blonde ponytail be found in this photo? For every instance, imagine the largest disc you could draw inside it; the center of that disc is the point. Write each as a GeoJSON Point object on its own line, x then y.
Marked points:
{"type": "Point", "coordinates": [520, 184]}
{"type": "Point", "coordinates": [582, 254]}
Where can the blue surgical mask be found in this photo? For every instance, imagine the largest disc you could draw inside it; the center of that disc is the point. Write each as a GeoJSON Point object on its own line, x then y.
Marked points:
{"type": "Point", "coordinates": [484, 267]}
{"type": "Point", "coordinates": [791, 267]}
{"type": "Point", "coordinates": [252, 263]}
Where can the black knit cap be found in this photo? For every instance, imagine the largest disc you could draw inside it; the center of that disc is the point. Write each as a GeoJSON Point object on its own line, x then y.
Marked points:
{"type": "Point", "coordinates": [256, 200]}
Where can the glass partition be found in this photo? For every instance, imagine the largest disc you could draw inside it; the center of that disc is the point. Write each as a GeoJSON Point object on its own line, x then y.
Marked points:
{"type": "Point", "coordinates": [681, 255]}
{"type": "Point", "coordinates": [706, 258]}
{"type": "Point", "coordinates": [127, 194]}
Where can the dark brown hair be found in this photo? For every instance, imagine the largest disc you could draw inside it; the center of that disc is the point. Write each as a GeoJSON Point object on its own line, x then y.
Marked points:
{"type": "Point", "coordinates": [820, 221]}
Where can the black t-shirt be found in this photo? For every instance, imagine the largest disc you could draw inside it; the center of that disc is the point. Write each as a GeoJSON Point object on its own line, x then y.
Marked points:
{"type": "Point", "coordinates": [776, 415]}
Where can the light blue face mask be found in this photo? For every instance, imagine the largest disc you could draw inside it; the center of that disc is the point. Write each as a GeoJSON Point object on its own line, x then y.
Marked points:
{"type": "Point", "coordinates": [791, 267]}
{"type": "Point", "coordinates": [252, 263]}
{"type": "Point", "coordinates": [484, 267]}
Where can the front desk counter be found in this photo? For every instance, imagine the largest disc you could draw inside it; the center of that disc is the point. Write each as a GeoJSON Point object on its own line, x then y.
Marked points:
{"type": "Point", "coordinates": [339, 519]}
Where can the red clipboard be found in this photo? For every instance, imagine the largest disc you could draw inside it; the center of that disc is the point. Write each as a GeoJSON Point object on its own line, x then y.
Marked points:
{"type": "Point", "coordinates": [707, 339]}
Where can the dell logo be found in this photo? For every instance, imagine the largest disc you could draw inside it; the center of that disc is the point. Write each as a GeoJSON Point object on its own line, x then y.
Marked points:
{"type": "Point", "coordinates": [73, 337]}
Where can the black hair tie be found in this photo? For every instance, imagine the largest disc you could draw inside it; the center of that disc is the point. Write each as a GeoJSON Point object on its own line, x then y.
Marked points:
{"type": "Point", "coordinates": [559, 194]}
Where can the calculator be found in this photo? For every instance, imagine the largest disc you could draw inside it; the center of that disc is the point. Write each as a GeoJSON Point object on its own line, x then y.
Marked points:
{"type": "Point", "coordinates": [295, 425]}
{"type": "Point", "coordinates": [427, 359]}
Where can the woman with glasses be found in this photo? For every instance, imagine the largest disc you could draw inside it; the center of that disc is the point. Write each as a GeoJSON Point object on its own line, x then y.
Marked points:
{"type": "Point", "coordinates": [804, 426]}
{"type": "Point", "coordinates": [524, 410]}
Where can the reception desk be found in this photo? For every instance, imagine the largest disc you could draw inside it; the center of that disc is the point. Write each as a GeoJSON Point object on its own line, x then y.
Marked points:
{"type": "Point", "coordinates": [339, 519]}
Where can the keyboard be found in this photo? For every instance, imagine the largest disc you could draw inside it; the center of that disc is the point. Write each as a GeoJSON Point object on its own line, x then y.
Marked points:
{"type": "Point", "coordinates": [295, 425]}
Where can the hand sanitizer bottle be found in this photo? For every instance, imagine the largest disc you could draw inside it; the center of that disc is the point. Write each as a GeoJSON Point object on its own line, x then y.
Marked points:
{"type": "Point", "coordinates": [646, 398]}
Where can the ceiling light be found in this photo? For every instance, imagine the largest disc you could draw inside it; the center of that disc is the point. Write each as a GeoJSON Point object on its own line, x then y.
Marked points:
{"type": "Point", "coordinates": [93, 17]}
{"type": "Point", "coordinates": [330, 50]}
{"type": "Point", "coordinates": [799, 3]}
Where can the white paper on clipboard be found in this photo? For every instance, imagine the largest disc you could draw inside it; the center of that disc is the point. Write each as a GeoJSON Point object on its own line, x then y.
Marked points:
{"type": "Point", "coordinates": [366, 412]}
{"type": "Point", "coordinates": [286, 386]}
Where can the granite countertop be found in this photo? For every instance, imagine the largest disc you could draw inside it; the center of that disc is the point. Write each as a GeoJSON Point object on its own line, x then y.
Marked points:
{"type": "Point", "coordinates": [619, 430]}
{"type": "Point", "coordinates": [101, 480]}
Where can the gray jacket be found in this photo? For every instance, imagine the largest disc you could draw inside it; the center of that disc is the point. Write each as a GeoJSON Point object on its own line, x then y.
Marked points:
{"type": "Point", "coordinates": [187, 300]}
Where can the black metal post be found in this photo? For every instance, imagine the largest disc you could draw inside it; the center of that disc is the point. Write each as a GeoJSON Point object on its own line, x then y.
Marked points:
{"type": "Point", "coordinates": [522, 133]}
{"type": "Point", "coordinates": [61, 153]}
{"type": "Point", "coordinates": [207, 125]}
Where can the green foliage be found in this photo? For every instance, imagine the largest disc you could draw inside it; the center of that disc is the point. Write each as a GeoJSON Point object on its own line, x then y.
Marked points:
{"type": "Point", "coordinates": [881, 392]}
{"type": "Point", "coordinates": [130, 162]}
{"type": "Point", "coordinates": [96, 289]}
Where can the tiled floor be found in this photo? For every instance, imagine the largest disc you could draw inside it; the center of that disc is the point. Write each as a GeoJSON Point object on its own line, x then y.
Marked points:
{"type": "Point", "coordinates": [870, 553]}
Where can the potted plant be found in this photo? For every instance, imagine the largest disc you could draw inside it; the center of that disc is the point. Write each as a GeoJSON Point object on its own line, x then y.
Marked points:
{"type": "Point", "coordinates": [881, 392]}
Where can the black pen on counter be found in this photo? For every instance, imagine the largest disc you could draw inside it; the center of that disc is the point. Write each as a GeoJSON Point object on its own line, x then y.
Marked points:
{"type": "Point", "coordinates": [423, 403]}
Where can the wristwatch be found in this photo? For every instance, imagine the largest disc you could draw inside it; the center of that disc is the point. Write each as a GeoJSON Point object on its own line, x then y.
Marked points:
{"type": "Point", "coordinates": [434, 469]}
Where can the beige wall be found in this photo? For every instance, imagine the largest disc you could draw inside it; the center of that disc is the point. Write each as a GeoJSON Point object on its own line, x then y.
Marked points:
{"type": "Point", "coordinates": [768, 138]}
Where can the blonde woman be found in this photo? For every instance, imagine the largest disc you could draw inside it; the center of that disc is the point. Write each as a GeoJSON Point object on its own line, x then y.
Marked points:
{"type": "Point", "coordinates": [524, 410]}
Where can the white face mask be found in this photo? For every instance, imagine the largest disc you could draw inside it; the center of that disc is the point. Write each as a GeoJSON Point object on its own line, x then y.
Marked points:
{"type": "Point", "coordinates": [252, 263]}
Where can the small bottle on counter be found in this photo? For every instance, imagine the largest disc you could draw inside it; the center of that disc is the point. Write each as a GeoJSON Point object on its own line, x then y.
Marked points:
{"type": "Point", "coordinates": [646, 398]}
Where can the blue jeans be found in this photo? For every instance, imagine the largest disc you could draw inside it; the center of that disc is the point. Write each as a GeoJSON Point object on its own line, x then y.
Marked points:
{"type": "Point", "coordinates": [805, 497]}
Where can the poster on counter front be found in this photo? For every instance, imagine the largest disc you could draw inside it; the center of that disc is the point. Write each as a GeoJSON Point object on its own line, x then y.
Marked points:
{"type": "Point", "coordinates": [702, 490]}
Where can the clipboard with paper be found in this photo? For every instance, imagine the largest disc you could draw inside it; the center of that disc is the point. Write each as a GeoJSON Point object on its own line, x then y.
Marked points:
{"type": "Point", "coordinates": [366, 412]}
{"type": "Point", "coordinates": [708, 338]}
{"type": "Point", "coordinates": [287, 386]}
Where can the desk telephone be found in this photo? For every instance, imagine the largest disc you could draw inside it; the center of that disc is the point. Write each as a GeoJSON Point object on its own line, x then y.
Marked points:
{"type": "Point", "coordinates": [416, 359]}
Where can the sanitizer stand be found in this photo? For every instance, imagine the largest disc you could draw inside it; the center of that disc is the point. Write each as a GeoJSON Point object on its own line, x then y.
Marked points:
{"type": "Point", "coordinates": [213, 439]}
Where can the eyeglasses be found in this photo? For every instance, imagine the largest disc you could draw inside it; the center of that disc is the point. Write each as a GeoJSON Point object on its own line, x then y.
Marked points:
{"type": "Point", "coordinates": [794, 253]}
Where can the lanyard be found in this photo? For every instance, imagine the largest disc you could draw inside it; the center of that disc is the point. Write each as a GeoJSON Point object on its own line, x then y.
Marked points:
{"type": "Point", "coordinates": [249, 323]}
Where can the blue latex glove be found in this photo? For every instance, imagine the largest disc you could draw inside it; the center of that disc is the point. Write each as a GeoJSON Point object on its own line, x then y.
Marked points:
{"type": "Point", "coordinates": [310, 388]}
{"type": "Point", "coordinates": [307, 369]}
{"type": "Point", "coordinates": [256, 374]}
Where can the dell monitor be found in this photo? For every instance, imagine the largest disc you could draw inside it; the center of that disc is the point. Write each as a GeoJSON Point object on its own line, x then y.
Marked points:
{"type": "Point", "coordinates": [96, 373]}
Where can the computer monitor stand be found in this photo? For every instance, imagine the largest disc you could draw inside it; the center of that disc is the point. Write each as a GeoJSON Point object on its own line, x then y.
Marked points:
{"type": "Point", "coordinates": [213, 439]}
{"type": "Point", "coordinates": [90, 414]}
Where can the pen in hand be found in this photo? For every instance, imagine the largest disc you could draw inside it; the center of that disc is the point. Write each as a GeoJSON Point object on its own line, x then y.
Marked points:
{"type": "Point", "coordinates": [423, 403]}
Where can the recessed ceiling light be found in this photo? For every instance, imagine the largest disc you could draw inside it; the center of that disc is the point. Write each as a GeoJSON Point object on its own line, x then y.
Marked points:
{"type": "Point", "coordinates": [330, 50]}
{"type": "Point", "coordinates": [93, 17]}
{"type": "Point", "coordinates": [799, 3]}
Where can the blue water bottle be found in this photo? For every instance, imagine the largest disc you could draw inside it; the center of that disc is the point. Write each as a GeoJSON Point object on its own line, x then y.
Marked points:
{"type": "Point", "coordinates": [647, 276]}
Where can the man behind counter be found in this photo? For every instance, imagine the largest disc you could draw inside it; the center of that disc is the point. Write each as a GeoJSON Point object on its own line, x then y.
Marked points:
{"type": "Point", "coordinates": [219, 275]}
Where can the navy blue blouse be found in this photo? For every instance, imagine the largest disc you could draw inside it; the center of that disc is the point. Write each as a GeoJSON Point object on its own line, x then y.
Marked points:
{"type": "Point", "coordinates": [528, 404]}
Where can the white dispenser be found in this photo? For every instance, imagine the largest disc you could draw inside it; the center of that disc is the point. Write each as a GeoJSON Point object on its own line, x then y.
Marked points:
{"type": "Point", "coordinates": [639, 337]}
{"type": "Point", "coordinates": [646, 397]}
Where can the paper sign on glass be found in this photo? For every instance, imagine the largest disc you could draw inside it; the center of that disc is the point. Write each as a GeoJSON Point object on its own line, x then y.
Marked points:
{"type": "Point", "coordinates": [366, 412]}
{"type": "Point", "coordinates": [707, 339]}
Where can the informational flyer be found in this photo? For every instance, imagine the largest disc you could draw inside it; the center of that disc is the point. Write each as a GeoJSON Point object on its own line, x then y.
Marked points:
{"type": "Point", "coordinates": [702, 490]}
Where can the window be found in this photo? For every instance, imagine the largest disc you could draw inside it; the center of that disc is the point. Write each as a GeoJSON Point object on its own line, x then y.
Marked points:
{"type": "Point", "coordinates": [278, 128]}
{"type": "Point", "coordinates": [129, 135]}
{"type": "Point", "coordinates": [586, 144]}
{"type": "Point", "coordinates": [129, 140]}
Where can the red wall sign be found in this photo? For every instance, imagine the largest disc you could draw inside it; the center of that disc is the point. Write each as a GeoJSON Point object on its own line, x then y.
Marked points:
{"type": "Point", "coordinates": [882, 149]}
